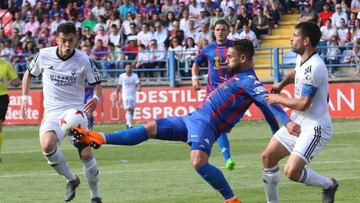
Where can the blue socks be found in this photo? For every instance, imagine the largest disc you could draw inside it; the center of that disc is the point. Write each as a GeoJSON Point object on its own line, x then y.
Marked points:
{"type": "Point", "coordinates": [224, 146]}
{"type": "Point", "coordinates": [216, 179]}
{"type": "Point", "coordinates": [132, 136]}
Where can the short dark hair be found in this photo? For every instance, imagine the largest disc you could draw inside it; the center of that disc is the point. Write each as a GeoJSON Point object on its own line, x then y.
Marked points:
{"type": "Point", "coordinates": [311, 30]}
{"type": "Point", "coordinates": [244, 46]}
{"type": "Point", "coordinates": [66, 28]}
{"type": "Point", "coordinates": [222, 22]}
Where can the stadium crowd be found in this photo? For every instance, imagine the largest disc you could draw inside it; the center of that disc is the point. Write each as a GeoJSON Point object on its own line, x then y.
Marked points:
{"type": "Point", "coordinates": [141, 31]}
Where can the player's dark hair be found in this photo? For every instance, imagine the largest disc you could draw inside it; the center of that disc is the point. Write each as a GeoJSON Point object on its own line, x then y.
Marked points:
{"type": "Point", "coordinates": [66, 28]}
{"type": "Point", "coordinates": [311, 30]}
{"type": "Point", "coordinates": [244, 46]}
{"type": "Point", "coordinates": [222, 22]}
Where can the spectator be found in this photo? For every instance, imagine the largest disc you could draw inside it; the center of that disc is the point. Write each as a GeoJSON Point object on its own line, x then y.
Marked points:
{"type": "Point", "coordinates": [126, 8]}
{"type": "Point", "coordinates": [194, 9]}
{"type": "Point", "coordinates": [192, 32]}
{"type": "Point", "coordinates": [205, 33]}
{"type": "Point", "coordinates": [70, 10]}
{"type": "Point", "coordinates": [28, 37]}
{"type": "Point", "coordinates": [100, 23]}
{"type": "Point", "coordinates": [3, 37]}
{"type": "Point", "coordinates": [109, 7]}
{"type": "Point", "coordinates": [151, 9]}
{"type": "Point", "coordinates": [355, 31]}
{"type": "Point", "coordinates": [184, 20]}
{"type": "Point", "coordinates": [88, 35]}
{"type": "Point", "coordinates": [33, 25]}
{"type": "Point", "coordinates": [328, 32]}
{"type": "Point", "coordinates": [355, 6]}
{"type": "Point", "coordinates": [15, 38]}
{"type": "Point", "coordinates": [157, 58]}
{"type": "Point", "coordinates": [113, 60]}
{"type": "Point", "coordinates": [210, 6]}
{"type": "Point", "coordinates": [177, 33]}
{"type": "Point", "coordinates": [141, 60]}
{"type": "Point", "coordinates": [114, 19]}
{"type": "Point", "coordinates": [351, 21]}
{"type": "Point", "coordinates": [230, 17]}
{"type": "Point", "coordinates": [141, 8]}
{"type": "Point", "coordinates": [309, 14]}
{"type": "Point", "coordinates": [89, 22]}
{"type": "Point", "coordinates": [189, 55]}
{"type": "Point", "coordinates": [178, 49]}
{"type": "Point", "coordinates": [44, 36]}
{"type": "Point", "coordinates": [103, 36]}
{"type": "Point", "coordinates": [249, 34]}
{"type": "Point", "coordinates": [168, 7]}
{"type": "Point", "coordinates": [325, 14]}
{"type": "Point", "coordinates": [77, 23]}
{"type": "Point", "coordinates": [139, 19]}
{"type": "Point", "coordinates": [218, 16]}
{"type": "Point", "coordinates": [160, 35]}
{"type": "Point", "coordinates": [225, 4]}
{"type": "Point", "coordinates": [6, 51]}
{"type": "Point", "coordinates": [18, 23]}
{"type": "Point", "coordinates": [116, 37]}
{"type": "Point", "coordinates": [56, 9]}
{"type": "Point", "coordinates": [133, 35]}
{"type": "Point", "coordinates": [86, 7]}
{"type": "Point", "coordinates": [332, 55]}
{"type": "Point", "coordinates": [244, 17]}
{"type": "Point", "coordinates": [343, 34]}
{"type": "Point", "coordinates": [126, 24]}
{"type": "Point", "coordinates": [131, 50]}
{"type": "Point", "coordinates": [99, 53]}
{"type": "Point", "coordinates": [46, 22]}
{"type": "Point", "coordinates": [58, 20]}
{"type": "Point", "coordinates": [338, 15]}
{"type": "Point", "coordinates": [233, 35]}
{"type": "Point", "coordinates": [144, 36]}
{"type": "Point", "coordinates": [29, 51]}
{"type": "Point", "coordinates": [261, 24]}
{"type": "Point", "coordinates": [170, 18]}
{"type": "Point", "coordinates": [203, 19]}
{"type": "Point", "coordinates": [98, 9]}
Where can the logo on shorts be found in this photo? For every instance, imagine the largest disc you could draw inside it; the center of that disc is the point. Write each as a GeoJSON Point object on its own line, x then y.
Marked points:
{"type": "Point", "coordinates": [207, 141]}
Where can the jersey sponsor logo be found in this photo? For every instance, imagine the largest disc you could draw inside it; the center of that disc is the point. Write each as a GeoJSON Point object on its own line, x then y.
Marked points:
{"type": "Point", "coordinates": [259, 89]}
{"type": "Point", "coordinates": [307, 73]}
{"type": "Point", "coordinates": [64, 81]}
{"type": "Point", "coordinates": [217, 64]}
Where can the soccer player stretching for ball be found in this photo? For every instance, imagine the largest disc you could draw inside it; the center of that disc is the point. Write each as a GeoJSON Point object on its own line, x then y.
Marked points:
{"type": "Point", "coordinates": [64, 70]}
{"type": "Point", "coordinates": [310, 111]}
{"type": "Point", "coordinates": [215, 55]}
{"type": "Point", "coordinates": [128, 82]}
{"type": "Point", "coordinates": [217, 114]}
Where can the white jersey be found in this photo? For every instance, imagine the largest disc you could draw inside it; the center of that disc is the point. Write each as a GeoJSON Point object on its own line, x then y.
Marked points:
{"type": "Point", "coordinates": [312, 72]}
{"type": "Point", "coordinates": [63, 80]}
{"type": "Point", "coordinates": [128, 84]}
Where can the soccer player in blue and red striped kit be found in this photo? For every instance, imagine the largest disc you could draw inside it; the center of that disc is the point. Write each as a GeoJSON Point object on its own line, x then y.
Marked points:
{"type": "Point", "coordinates": [215, 55]}
{"type": "Point", "coordinates": [218, 113]}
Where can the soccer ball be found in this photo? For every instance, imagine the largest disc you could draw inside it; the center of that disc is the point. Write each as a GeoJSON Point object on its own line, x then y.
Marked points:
{"type": "Point", "coordinates": [73, 118]}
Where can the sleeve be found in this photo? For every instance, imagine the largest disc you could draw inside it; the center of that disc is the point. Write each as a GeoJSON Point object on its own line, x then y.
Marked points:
{"type": "Point", "coordinates": [269, 117]}
{"type": "Point", "coordinates": [256, 91]}
{"type": "Point", "coordinates": [201, 57]}
{"type": "Point", "coordinates": [313, 79]}
{"type": "Point", "coordinates": [35, 66]}
{"type": "Point", "coordinates": [11, 73]}
{"type": "Point", "coordinates": [91, 72]}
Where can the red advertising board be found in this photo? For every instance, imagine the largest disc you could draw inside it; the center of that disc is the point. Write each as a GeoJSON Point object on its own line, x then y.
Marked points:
{"type": "Point", "coordinates": [152, 103]}
{"type": "Point", "coordinates": [6, 20]}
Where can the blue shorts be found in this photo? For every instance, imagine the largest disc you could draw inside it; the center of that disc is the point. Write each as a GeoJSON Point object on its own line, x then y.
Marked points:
{"type": "Point", "coordinates": [196, 132]}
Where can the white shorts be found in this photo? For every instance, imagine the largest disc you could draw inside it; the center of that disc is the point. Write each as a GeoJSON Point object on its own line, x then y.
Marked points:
{"type": "Point", "coordinates": [309, 143]}
{"type": "Point", "coordinates": [129, 103]}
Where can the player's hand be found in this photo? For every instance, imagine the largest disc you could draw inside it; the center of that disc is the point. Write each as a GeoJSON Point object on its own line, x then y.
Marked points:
{"type": "Point", "coordinates": [276, 88]}
{"type": "Point", "coordinates": [293, 128]}
{"type": "Point", "coordinates": [90, 106]}
{"type": "Point", "coordinates": [196, 84]}
{"type": "Point", "coordinates": [271, 98]}
{"type": "Point", "coordinates": [23, 108]}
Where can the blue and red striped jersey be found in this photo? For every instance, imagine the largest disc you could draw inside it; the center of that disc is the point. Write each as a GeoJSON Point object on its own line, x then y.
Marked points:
{"type": "Point", "coordinates": [215, 54]}
{"type": "Point", "coordinates": [227, 104]}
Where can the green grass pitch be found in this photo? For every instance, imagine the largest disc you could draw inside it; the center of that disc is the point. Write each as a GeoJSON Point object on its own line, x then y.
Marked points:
{"type": "Point", "coordinates": [160, 171]}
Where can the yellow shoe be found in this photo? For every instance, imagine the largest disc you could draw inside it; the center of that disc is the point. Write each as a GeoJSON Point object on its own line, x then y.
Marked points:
{"type": "Point", "coordinates": [92, 138]}
{"type": "Point", "coordinates": [236, 200]}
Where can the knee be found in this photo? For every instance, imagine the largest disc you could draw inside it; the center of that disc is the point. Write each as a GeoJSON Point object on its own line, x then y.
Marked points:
{"type": "Point", "coordinates": [151, 129]}
{"type": "Point", "coordinates": [47, 147]}
{"type": "Point", "coordinates": [197, 163]}
{"type": "Point", "coordinates": [267, 159]}
{"type": "Point", "coordinates": [292, 172]}
{"type": "Point", "coordinates": [86, 154]}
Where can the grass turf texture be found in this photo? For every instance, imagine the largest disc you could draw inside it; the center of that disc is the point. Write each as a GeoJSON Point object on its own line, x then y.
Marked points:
{"type": "Point", "coordinates": [160, 171]}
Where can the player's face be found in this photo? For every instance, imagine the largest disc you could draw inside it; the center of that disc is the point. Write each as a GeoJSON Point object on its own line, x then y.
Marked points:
{"type": "Point", "coordinates": [128, 70]}
{"type": "Point", "coordinates": [221, 32]}
{"type": "Point", "coordinates": [233, 60]}
{"type": "Point", "coordinates": [297, 42]}
{"type": "Point", "coordinates": [66, 43]}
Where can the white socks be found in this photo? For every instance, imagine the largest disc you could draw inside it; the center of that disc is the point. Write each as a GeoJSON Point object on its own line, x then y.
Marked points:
{"type": "Point", "coordinates": [56, 159]}
{"type": "Point", "coordinates": [313, 178]}
{"type": "Point", "coordinates": [271, 178]}
{"type": "Point", "coordinates": [128, 117]}
{"type": "Point", "coordinates": [92, 175]}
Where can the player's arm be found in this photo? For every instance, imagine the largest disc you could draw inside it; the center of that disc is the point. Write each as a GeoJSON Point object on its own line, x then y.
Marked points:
{"type": "Point", "coordinates": [269, 117]}
{"type": "Point", "coordinates": [92, 75]}
{"type": "Point", "coordinates": [290, 78]}
{"type": "Point", "coordinates": [257, 93]}
{"type": "Point", "coordinates": [196, 69]}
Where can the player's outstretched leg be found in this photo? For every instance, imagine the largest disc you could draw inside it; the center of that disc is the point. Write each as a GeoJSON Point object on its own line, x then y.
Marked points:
{"type": "Point", "coordinates": [132, 136]}
{"type": "Point", "coordinates": [328, 195]}
{"type": "Point", "coordinates": [71, 189]}
{"type": "Point", "coordinates": [224, 146]}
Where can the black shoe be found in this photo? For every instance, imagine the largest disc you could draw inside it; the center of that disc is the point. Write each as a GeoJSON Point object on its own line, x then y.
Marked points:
{"type": "Point", "coordinates": [96, 200]}
{"type": "Point", "coordinates": [328, 195]}
{"type": "Point", "coordinates": [71, 189]}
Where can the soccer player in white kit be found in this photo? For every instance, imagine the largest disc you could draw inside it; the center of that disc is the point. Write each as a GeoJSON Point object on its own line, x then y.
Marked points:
{"type": "Point", "coordinates": [310, 111]}
{"type": "Point", "coordinates": [127, 84]}
{"type": "Point", "coordinates": [64, 70]}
